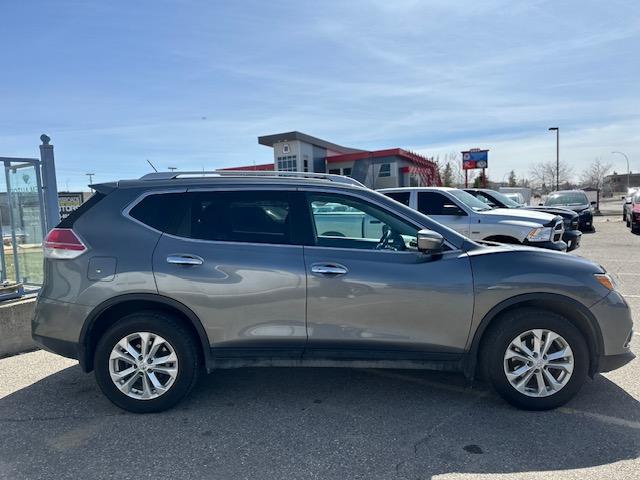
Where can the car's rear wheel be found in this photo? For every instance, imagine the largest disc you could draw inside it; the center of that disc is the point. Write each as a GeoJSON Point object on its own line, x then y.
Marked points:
{"type": "Point", "coordinates": [536, 359]}
{"type": "Point", "coordinates": [146, 362]}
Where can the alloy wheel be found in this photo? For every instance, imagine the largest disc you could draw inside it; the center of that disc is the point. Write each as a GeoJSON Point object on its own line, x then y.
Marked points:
{"type": "Point", "coordinates": [143, 365]}
{"type": "Point", "coordinates": [538, 363]}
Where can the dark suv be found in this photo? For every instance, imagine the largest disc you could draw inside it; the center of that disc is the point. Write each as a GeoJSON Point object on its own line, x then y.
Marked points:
{"type": "Point", "coordinates": [152, 280]}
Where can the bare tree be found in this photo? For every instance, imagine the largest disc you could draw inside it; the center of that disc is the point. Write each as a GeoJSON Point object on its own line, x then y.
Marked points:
{"type": "Point", "coordinates": [543, 174]}
{"type": "Point", "coordinates": [594, 175]}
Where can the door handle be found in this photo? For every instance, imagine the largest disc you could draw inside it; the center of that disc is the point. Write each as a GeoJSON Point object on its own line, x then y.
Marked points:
{"type": "Point", "coordinates": [329, 269]}
{"type": "Point", "coordinates": [182, 259]}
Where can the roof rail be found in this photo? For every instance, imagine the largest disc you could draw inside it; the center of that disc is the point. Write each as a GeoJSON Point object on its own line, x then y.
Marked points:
{"type": "Point", "coordinates": [250, 173]}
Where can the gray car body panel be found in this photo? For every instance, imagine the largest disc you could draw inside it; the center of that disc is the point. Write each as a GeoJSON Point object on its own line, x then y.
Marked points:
{"type": "Point", "coordinates": [264, 297]}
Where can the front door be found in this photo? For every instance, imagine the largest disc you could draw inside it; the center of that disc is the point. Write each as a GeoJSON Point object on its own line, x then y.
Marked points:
{"type": "Point", "coordinates": [371, 293]}
{"type": "Point", "coordinates": [233, 262]}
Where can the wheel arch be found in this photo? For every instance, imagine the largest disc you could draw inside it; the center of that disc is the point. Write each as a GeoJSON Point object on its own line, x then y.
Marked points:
{"type": "Point", "coordinates": [105, 314]}
{"type": "Point", "coordinates": [574, 311]}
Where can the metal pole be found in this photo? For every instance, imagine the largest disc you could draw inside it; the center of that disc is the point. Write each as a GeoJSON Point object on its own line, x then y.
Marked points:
{"type": "Point", "coordinates": [50, 186]}
{"type": "Point", "coordinates": [12, 219]}
{"type": "Point", "coordinates": [557, 159]}
{"type": "Point", "coordinates": [557, 156]}
{"type": "Point", "coordinates": [628, 170]}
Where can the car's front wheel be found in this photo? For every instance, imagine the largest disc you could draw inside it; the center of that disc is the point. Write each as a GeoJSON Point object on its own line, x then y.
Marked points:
{"type": "Point", "coordinates": [536, 359]}
{"type": "Point", "coordinates": [146, 362]}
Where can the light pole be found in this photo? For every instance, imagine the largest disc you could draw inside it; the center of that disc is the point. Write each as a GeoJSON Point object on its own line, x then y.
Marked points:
{"type": "Point", "coordinates": [557, 130]}
{"type": "Point", "coordinates": [628, 171]}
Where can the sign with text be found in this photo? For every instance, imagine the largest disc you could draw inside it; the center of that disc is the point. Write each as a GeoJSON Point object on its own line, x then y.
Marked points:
{"type": "Point", "coordinates": [69, 201]}
{"type": "Point", "coordinates": [475, 159]}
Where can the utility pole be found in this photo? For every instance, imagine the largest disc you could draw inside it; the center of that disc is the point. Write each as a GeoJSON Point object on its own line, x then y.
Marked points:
{"type": "Point", "coordinates": [628, 170]}
{"type": "Point", "coordinates": [557, 130]}
{"type": "Point", "coordinates": [90, 175]}
{"type": "Point", "coordinates": [172, 169]}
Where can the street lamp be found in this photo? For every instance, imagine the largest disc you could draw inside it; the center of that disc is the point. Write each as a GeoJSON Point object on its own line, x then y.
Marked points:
{"type": "Point", "coordinates": [557, 156]}
{"type": "Point", "coordinates": [628, 171]}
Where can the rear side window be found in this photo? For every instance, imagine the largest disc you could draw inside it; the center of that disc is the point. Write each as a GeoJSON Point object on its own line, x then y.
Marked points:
{"type": "Point", "coordinates": [260, 217]}
{"type": "Point", "coordinates": [240, 216]}
{"type": "Point", "coordinates": [165, 212]}
{"type": "Point", "coordinates": [81, 210]}
{"type": "Point", "coordinates": [402, 197]}
{"type": "Point", "coordinates": [432, 203]}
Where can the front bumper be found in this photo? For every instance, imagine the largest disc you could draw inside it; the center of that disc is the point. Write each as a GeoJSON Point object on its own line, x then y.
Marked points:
{"type": "Point", "coordinates": [572, 239]}
{"type": "Point", "coordinates": [549, 245]}
{"type": "Point", "coordinates": [585, 223]}
{"type": "Point", "coordinates": [616, 327]}
{"type": "Point", "coordinates": [607, 363]}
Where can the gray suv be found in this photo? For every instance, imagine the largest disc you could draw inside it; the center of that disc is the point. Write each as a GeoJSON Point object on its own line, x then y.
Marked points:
{"type": "Point", "coordinates": [153, 280]}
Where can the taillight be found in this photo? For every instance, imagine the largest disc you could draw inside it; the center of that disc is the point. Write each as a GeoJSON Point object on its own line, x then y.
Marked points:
{"type": "Point", "coordinates": [63, 243]}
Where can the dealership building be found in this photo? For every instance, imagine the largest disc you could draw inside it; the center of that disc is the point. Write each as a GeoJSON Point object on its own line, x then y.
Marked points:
{"type": "Point", "coordinates": [394, 167]}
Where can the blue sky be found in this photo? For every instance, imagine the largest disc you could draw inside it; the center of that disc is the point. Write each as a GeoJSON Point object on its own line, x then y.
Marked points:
{"type": "Point", "coordinates": [192, 84]}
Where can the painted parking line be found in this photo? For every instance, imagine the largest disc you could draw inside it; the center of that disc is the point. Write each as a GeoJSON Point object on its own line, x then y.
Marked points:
{"type": "Point", "coordinates": [621, 422]}
{"type": "Point", "coordinates": [609, 420]}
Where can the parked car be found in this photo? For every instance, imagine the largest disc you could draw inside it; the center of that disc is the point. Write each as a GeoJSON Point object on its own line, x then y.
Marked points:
{"type": "Point", "coordinates": [154, 279]}
{"type": "Point", "coordinates": [571, 235]}
{"type": "Point", "coordinates": [627, 204]}
{"type": "Point", "coordinates": [633, 218]}
{"type": "Point", "coordinates": [577, 201]}
{"type": "Point", "coordinates": [473, 218]}
{"type": "Point", "coordinates": [515, 197]}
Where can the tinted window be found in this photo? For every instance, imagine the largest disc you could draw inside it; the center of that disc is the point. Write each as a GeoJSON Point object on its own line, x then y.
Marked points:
{"type": "Point", "coordinates": [402, 197]}
{"type": "Point", "coordinates": [242, 216]}
{"type": "Point", "coordinates": [432, 203]}
{"type": "Point", "coordinates": [347, 222]}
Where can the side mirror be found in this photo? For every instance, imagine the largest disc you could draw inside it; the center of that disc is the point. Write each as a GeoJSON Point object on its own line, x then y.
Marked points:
{"type": "Point", "coordinates": [430, 241]}
{"type": "Point", "coordinates": [451, 210]}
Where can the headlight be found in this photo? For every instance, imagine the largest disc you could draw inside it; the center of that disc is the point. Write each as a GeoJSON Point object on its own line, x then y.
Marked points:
{"type": "Point", "coordinates": [586, 211]}
{"type": "Point", "coordinates": [540, 234]}
{"type": "Point", "coordinates": [606, 280]}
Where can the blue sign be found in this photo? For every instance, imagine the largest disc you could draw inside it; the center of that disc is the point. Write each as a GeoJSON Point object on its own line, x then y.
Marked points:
{"type": "Point", "coordinates": [475, 159]}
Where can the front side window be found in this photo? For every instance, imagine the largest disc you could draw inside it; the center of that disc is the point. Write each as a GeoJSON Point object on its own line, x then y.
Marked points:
{"type": "Point", "coordinates": [240, 216]}
{"type": "Point", "coordinates": [346, 222]}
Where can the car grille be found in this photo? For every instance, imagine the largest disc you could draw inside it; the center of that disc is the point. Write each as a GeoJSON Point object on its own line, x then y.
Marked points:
{"type": "Point", "coordinates": [558, 230]}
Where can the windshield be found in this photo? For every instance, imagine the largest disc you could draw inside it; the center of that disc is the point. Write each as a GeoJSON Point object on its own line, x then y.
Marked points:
{"type": "Point", "coordinates": [508, 202]}
{"type": "Point", "coordinates": [568, 198]}
{"type": "Point", "coordinates": [469, 200]}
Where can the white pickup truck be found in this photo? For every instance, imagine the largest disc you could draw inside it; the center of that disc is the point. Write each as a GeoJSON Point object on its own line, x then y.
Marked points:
{"type": "Point", "coordinates": [473, 218]}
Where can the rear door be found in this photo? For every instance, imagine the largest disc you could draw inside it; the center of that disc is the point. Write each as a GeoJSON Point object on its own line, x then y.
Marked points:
{"type": "Point", "coordinates": [231, 259]}
{"type": "Point", "coordinates": [444, 210]}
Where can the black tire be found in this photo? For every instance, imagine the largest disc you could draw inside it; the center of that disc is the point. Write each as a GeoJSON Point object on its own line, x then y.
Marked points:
{"type": "Point", "coordinates": [516, 322]}
{"type": "Point", "coordinates": [634, 227]}
{"type": "Point", "coordinates": [180, 339]}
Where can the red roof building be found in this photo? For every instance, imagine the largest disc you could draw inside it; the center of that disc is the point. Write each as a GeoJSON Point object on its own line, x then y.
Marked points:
{"type": "Point", "coordinates": [395, 167]}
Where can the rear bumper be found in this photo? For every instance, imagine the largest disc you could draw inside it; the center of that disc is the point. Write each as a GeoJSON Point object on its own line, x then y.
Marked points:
{"type": "Point", "coordinates": [56, 326]}
{"type": "Point", "coordinates": [572, 239]}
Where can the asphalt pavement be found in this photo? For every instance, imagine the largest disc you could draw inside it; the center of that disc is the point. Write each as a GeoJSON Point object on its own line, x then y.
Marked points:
{"type": "Point", "coordinates": [285, 423]}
